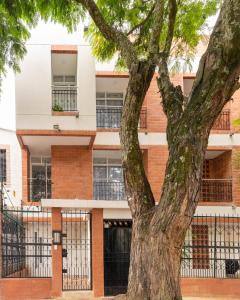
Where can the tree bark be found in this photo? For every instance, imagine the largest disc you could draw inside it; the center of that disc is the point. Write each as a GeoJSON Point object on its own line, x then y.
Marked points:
{"type": "Point", "coordinates": [158, 231]}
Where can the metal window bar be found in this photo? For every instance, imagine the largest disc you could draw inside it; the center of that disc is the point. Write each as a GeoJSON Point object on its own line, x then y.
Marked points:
{"type": "Point", "coordinates": [3, 165]}
{"type": "Point", "coordinates": [26, 242]}
{"type": "Point", "coordinates": [216, 190]}
{"type": "Point", "coordinates": [212, 248]}
{"type": "Point", "coordinates": [40, 189]}
{"type": "Point", "coordinates": [64, 97]}
{"type": "Point", "coordinates": [109, 190]}
{"type": "Point", "coordinates": [223, 121]}
{"type": "Point", "coordinates": [111, 117]}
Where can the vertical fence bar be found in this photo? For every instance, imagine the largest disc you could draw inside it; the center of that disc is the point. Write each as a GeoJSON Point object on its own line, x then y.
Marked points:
{"type": "Point", "coordinates": [1, 230]}
{"type": "Point", "coordinates": [215, 245]}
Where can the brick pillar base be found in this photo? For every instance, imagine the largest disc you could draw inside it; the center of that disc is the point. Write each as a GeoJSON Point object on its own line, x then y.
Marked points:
{"type": "Point", "coordinates": [56, 255]}
{"type": "Point", "coordinates": [97, 252]}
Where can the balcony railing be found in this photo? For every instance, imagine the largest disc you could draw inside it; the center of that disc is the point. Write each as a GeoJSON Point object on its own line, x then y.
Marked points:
{"type": "Point", "coordinates": [216, 190]}
{"type": "Point", "coordinates": [40, 189]}
{"type": "Point", "coordinates": [109, 190]}
{"type": "Point", "coordinates": [223, 121]}
{"type": "Point", "coordinates": [111, 117]}
{"type": "Point", "coordinates": [64, 98]}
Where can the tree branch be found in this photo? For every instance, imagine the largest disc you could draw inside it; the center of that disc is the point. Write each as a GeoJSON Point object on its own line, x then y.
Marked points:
{"type": "Point", "coordinates": [141, 24]}
{"type": "Point", "coordinates": [158, 17]}
{"type": "Point", "coordinates": [110, 33]}
{"type": "Point", "coordinates": [172, 6]}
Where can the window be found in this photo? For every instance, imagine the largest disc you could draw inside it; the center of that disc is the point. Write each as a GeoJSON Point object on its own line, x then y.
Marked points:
{"type": "Point", "coordinates": [109, 109]}
{"type": "Point", "coordinates": [108, 177]}
{"type": "Point", "coordinates": [200, 245]}
{"type": "Point", "coordinates": [108, 169]}
{"type": "Point", "coordinates": [64, 93]}
{"type": "Point", "coordinates": [3, 165]}
{"type": "Point", "coordinates": [40, 182]}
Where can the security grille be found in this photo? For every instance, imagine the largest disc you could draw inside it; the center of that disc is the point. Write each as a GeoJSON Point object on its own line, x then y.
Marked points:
{"type": "Point", "coordinates": [76, 250]}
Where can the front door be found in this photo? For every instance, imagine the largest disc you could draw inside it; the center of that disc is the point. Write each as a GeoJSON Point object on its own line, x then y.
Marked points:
{"type": "Point", "coordinates": [117, 241]}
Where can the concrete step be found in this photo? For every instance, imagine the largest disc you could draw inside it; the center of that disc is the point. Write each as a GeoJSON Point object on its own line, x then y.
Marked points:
{"type": "Point", "coordinates": [77, 295]}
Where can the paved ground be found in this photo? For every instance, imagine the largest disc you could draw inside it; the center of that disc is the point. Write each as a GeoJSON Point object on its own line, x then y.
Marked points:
{"type": "Point", "coordinates": [89, 296]}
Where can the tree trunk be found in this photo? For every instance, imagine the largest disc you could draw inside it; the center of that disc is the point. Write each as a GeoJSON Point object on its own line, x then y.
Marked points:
{"type": "Point", "coordinates": [155, 266]}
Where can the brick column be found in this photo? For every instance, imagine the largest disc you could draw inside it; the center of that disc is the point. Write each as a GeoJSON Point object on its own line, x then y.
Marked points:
{"type": "Point", "coordinates": [56, 255]}
{"type": "Point", "coordinates": [236, 175]}
{"type": "Point", "coordinates": [97, 253]}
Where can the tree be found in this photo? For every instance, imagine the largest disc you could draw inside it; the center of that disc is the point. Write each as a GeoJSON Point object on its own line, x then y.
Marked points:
{"type": "Point", "coordinates": [146, 34]}
{"type": "Point", "coordinates": [158, 230]}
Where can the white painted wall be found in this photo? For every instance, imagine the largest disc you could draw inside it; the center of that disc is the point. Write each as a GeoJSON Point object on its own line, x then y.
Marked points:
{"type": "Point", "coordinates": [33, 92]}
{"type": "Point", "coordinates": [8, 138]}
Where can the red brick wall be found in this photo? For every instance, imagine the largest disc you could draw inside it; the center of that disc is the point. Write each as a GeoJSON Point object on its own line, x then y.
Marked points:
{"type": "Point", "coordinates": [236, 175]}
{"type": "Point", "coordinates": [25, 288]}
{"type": "Point", "coordinates": [211, 287]}
{"type": "Point", "coordinates": [221, 166]}
{"type": "Point", "coordinates": [71, 172]}
{"type": "Point", "coordinates": [156, 162]}
{"type": "Point", "coordinates": [156, 119]}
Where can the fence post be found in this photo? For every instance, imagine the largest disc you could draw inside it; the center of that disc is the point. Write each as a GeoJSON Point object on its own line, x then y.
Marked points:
{"type": "Point", "coordinates": [1, 221]}
{"type": "Point", "coordinates": [56, 255]}
{"type": "Point", "coordinates": [215, 247]}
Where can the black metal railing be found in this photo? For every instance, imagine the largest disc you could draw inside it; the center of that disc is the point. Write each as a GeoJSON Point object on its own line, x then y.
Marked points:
{"type": "Point", "coordinates": [26, 242]}
{"type": "Point", "coordinates": [223, 121]}
{"type": "Point", "coordinates": [212, 247]}
{"type": "Point", "coordinates": [40, 189]}
{"type": "Point", "coordinates": [111, 117]}
{"type": "Point", "coordinates": [216, 190]}
{"type": "Point", "coordinates": [109, 190]}
{"type": "Point", "coordinates": [64, 98]}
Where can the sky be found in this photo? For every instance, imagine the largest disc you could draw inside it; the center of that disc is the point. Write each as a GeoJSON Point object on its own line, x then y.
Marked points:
{"type": "Point", "coordinates": [50, 33]}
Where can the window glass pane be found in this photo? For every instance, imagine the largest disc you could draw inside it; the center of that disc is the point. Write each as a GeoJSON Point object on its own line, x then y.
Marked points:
{"type": "Point", "coordinates": [100, 95]}
{"type": "Point", "coordinates": [3, 167]}
{"type": "Point", "coordinates": [99, 160]}
{"type": "Point", "coordinates": [115, 103]}
{"type": "Point", "coordinates": [100, 173]}
{"type": "Point", "coordinates": [115, 95]}
{"type": "Point", "coordinates": [36, 160]}
{"type": "Point", "coordinates": [100, 102]}
{"type": "Point", "coordinates": [115, 174]}
{"type": "Point", "coordinates": [116, 161]}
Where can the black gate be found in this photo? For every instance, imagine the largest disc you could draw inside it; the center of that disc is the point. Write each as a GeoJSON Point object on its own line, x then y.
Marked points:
{"type": "Point", "coordinates": [76, 250]}
{"type": "Point", "coordinates": [117, 241]}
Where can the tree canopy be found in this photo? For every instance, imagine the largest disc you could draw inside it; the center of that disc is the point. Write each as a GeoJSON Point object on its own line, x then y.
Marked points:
{"type": "Point", "coordinates": [132, 19]}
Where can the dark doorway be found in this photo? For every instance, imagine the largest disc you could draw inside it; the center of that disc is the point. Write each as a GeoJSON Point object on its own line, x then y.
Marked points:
{"type": "Point", "coordinates": [117, 243]}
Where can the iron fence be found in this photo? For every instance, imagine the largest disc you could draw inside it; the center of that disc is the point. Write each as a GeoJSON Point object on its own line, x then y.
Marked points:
{"type": "Point", "coordinates": [109, 190]}
{"type": "Point", "coordinates": [40, 189]}
{"type": "Point", "coordinates": [26, 242]}
{"type": "Point", "coordinates": [64, 98]}
{"type": "Point", "coordinates": [216, 190]}
{"type": "Point", "coordinates": [111, 117]}
{"type": "Point", "coordinates": [223, 121]}
{"type": "Point", "coordinates": [212, 248]}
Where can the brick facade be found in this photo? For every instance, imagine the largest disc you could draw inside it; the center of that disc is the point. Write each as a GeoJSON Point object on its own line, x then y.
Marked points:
{"type": "Point", "coordinates": [71, 172]}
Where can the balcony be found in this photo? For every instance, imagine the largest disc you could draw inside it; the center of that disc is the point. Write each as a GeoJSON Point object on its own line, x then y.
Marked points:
{"type": "Point", "coordinates": [111, 117]}
{"type": "Point", "coordinates": [64, 98]}
{"type": "Point", "coordinates": [223, 121]}
{"type": "Point", "coordinates": [40, 189]}
{"type": "Point", "coordinates": [216, 190]}
{"type": "Point", "coordinates": [109, 190]}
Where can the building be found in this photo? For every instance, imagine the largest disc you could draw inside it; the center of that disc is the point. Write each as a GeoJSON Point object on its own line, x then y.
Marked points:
{"type": "Point", "coordinates": [67, 123]}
